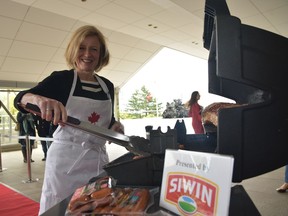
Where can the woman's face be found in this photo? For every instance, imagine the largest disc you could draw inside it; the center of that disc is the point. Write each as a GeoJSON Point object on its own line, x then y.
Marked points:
{"type": "Point", "coordinates": [88, 54]}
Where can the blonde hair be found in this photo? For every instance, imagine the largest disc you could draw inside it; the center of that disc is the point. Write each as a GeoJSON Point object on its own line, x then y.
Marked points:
{"type": "Point", "coordinates": [77, 38]}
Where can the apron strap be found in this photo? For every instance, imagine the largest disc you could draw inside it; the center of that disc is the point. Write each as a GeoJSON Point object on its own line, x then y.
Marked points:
{"type": "Point", "coordinates": [103, 86]}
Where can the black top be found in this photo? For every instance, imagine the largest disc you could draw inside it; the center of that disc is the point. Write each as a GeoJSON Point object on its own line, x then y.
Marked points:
{"type": "Point", "coordinates": [58, 86]}
{"type": "Point", "coordinates": [27, 124]}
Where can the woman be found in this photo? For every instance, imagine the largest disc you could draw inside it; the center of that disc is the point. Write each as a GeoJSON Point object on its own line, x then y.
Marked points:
{"type": "Point", "coordinates": [195, 112]}
{"type": "Point", "coordinates": [75, 156]}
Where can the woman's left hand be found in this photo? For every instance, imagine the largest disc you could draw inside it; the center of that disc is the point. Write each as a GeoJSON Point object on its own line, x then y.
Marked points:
{"type": "Point", "coordinates": [118, 127]}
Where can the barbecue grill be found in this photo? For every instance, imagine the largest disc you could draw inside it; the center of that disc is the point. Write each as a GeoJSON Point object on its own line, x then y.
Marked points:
{"type": "Point", "coordinates": [248, 65]}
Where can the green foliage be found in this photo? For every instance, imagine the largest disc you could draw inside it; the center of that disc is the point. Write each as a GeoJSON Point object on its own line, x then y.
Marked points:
{"type": "Point", "coordinates": [141, 105]}
{"type": "Point", "coordinates": [176, 109]}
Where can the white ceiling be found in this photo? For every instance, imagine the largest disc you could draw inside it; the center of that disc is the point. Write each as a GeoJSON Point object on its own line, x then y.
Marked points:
{"type": "Point", "coordinates": [34, 33]}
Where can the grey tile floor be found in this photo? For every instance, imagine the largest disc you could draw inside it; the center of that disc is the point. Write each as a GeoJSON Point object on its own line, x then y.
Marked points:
{"type": "Point", "coordinates": [261, 189]}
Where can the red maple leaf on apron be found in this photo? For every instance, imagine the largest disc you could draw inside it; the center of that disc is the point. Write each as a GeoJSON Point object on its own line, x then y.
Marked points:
{"type": "Point", "coordinates": [93, 118]}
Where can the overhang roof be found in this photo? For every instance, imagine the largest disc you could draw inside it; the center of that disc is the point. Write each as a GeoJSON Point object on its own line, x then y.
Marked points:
{"type": "Point", "coordinates": [34, 33]}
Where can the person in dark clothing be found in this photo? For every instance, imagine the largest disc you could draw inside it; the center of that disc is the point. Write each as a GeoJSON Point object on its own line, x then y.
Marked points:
{"type": "Point", "coordinates": [43, 128]}
{"type": "Point", "coordinates": [27, 127]}
{"type": "Point", "coordinates": [52, 128]}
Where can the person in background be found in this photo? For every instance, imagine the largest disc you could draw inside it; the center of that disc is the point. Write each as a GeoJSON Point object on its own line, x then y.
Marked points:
{"type": "Point", "coordinates": [27, 127]}
{"type": "Point", "coordinates": [52, 128]}
{"type": "Point", "coordinates": [284, 187]}
{"type": "Point", "coordinates": [74, 157]}
{"type": "Point", "coordinates": [43, 128]}
{"type": "Point", "coordinates": [195, 112]}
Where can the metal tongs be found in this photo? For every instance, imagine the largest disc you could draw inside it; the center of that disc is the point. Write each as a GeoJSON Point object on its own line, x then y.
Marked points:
{"type": "Point", "coordinates": [135, 144]}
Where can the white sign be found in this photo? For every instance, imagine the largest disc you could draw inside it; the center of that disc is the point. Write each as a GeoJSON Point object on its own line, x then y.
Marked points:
{"type": "Point", "coordinates": [196, 183]}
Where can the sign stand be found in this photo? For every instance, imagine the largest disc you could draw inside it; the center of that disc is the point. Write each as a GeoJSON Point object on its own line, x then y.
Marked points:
{"type": "Point", "coordinates": [28, 149]}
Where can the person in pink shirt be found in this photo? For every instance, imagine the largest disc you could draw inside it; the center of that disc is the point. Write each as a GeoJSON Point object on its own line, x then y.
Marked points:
{"type": "Point", "coordinates": [195, 112]}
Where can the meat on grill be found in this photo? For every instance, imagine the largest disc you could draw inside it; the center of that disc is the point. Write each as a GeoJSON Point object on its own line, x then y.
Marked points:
{"type": "Point", "coordinates": [210, 113]}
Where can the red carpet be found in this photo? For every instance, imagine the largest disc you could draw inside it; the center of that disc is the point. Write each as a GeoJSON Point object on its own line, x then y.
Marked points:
{"type": "Point", "coordinates": [14, 203]}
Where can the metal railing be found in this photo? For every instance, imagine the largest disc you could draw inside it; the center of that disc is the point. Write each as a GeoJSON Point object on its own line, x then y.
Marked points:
{"type": "Point", "coordinates": [7, 125]}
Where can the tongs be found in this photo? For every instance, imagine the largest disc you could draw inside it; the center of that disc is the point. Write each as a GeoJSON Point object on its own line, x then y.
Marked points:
{"type": "Point", "coordinates": [135, 144]}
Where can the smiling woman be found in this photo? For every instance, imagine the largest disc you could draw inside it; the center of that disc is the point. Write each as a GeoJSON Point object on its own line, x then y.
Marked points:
{"type": "Point", "coordinates": [81, 93]}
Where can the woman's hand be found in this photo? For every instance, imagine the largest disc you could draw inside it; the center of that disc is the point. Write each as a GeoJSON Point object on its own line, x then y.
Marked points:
{"type": "Point", "coordinates": [118, 127]}
{"type": "Point", "coordinates": [51, 110]}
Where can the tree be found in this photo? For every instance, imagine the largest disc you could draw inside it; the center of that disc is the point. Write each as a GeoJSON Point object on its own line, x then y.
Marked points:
{"type": "Point", "coordinates": [176, 109]}
{"type": "Point", "coordinates": [142, 104]}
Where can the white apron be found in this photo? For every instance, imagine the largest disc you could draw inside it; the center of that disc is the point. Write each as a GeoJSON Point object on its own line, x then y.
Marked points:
{"type": "Point", "coordinates": [75, 156]}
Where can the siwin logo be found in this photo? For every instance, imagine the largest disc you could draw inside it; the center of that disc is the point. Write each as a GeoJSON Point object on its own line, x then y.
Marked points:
{"type": "Point", "coordinates": [191, 194]}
